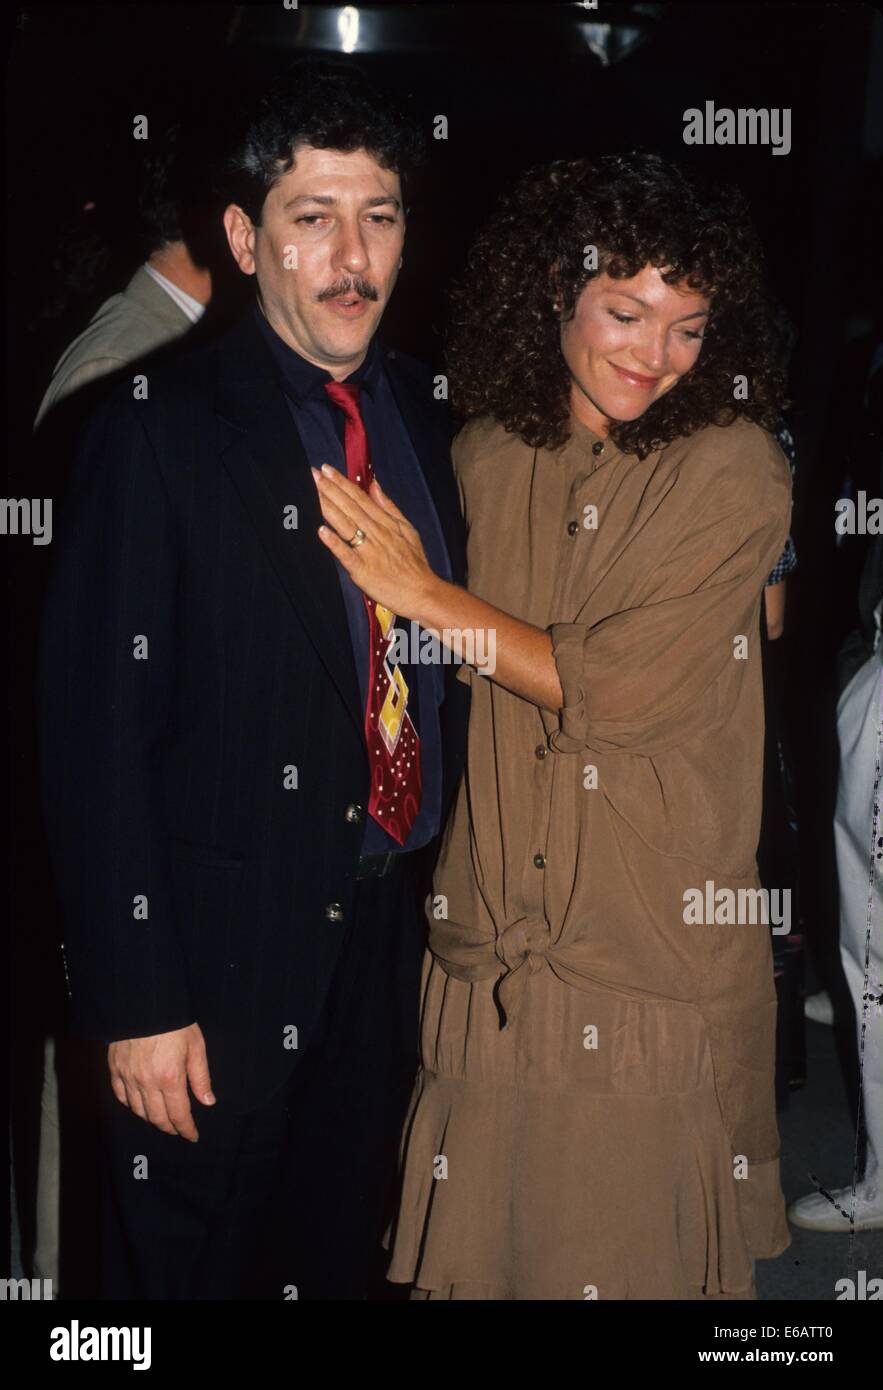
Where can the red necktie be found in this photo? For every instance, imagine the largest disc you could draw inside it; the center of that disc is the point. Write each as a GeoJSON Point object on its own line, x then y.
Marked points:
{"type": "Point", "coordinates": [393, 743]}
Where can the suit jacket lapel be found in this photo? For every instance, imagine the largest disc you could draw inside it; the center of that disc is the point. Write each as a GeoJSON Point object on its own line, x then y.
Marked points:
{"type": "Point", "coordinates": [269, 468]}
{"type": "Point", "coordinates": [432, 448]}
{"type": "Point", "coordinates": [431, 438]}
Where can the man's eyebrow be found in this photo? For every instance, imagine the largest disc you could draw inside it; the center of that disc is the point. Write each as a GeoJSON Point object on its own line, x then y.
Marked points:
{"type": "Point", "coordinates": [699, 314]}
{"type": "Point", "coordinates": [327, 200]}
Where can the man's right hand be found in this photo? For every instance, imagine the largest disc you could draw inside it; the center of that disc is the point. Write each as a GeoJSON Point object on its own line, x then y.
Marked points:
{"type": "Point", "coordinates": [150, 1076]}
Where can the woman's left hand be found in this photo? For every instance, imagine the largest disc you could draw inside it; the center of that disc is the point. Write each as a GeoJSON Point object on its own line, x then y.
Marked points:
{"type": "Point", "coordinates": [390, 565]}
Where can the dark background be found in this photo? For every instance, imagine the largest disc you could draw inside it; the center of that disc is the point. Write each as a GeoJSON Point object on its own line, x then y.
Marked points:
{"type": "Point", "coordinates": [518, 84]}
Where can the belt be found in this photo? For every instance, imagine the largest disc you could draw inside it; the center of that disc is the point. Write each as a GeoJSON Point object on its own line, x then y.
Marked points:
{"type": "Point", "coordinates": [378, 865]}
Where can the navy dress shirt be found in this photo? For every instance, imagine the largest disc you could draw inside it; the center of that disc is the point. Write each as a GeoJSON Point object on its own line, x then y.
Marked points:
{"type": "Point", "coordinates": [320, 425]}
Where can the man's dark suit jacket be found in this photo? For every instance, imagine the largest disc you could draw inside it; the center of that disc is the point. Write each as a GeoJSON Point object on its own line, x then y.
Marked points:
{"type": "Point", "coordinates": [196, 882]}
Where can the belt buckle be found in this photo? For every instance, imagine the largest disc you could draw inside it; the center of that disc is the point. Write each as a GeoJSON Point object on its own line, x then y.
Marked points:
{"type": "Point", "coordinates": [377, 865]}
{"type": "Point", "coordinates": [390, 861]}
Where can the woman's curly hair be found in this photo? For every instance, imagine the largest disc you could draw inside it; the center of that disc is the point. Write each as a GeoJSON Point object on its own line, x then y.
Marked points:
{"type": "Point", "coordinates": [504, 350]}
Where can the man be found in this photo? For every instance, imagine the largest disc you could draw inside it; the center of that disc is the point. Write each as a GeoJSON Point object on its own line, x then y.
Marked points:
{"type": "Point", "coordinates": [165, 297]}
{"type": "Point", "coordinates": [858, 842]}
{"type": "Point", "coordinates": [160, 305]}
{"type": "Point", "coordinates": [241, 905]}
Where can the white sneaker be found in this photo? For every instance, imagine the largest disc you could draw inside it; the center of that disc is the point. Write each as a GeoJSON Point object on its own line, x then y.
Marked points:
{"type": "Point", "coordinates": [818, 1007]}
{"type": "Point", "coordinates": [818, 1212]}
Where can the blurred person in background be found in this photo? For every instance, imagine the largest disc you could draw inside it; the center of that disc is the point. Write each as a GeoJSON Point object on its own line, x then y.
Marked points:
{"type": "Point", "coordinates": [157, 310]}
{"type": "Point", "coordinates": [858, 838]}
{"type": "Point", "coordinates": [166, 296]}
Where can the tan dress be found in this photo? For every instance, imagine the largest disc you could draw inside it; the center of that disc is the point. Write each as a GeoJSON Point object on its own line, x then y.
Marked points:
{"type": "Point", "coordinates": [617, 1137]}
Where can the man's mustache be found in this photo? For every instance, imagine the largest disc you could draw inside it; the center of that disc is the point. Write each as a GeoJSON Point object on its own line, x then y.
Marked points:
{"type": "Point", "coordinates": [347, 287]}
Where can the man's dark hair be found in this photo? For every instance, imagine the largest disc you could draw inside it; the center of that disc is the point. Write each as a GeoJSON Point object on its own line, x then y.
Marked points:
{"type": "Point", "coordinates": [159, 190]}
{"type": "Point", "coordinates": [175, 198]}
{"type": "Point", "coordinates": [326, 105]}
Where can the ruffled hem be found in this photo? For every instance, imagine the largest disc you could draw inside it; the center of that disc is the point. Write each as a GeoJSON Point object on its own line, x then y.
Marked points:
{"type": "Point", "coordinates": [459, 1228]}
{"type": "Point", "coordinates": [499, 1293]}
{"type": "Point", "coordinates": [517, 1192]}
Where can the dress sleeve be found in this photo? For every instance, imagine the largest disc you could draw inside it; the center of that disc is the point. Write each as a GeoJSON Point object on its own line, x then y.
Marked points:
{"type": "Point", "coordinates": [646, 679]}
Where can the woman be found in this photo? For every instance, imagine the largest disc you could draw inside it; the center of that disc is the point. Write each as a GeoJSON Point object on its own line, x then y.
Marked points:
{"type": "Point", "coordinates": [594, 1115]}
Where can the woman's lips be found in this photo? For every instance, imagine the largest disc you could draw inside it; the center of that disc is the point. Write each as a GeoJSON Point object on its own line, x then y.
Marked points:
{"type": "Point", "coordinates": [644, 383]}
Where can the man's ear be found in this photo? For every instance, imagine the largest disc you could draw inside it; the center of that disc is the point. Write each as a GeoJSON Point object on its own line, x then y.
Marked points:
{"type": "Point", "coordinates": [240, 237]}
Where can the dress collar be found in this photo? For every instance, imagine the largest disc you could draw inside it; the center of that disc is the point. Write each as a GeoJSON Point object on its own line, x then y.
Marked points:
{"type": "Point", "coordinates": [586, 441]}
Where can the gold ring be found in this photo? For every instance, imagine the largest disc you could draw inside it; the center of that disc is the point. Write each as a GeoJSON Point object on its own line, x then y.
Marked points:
{"type": "Point", "coordinates": [358, 537]}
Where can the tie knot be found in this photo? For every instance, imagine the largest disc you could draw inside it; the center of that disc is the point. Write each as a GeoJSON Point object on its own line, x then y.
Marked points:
{"type": "Point", "coordinates": [355, 442]}
{"type": "Point", "coordinates": [346, 395]}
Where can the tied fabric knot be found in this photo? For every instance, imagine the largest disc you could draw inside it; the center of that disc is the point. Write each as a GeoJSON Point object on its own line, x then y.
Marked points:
{"type": "Point", "coordinates": [523, 947]}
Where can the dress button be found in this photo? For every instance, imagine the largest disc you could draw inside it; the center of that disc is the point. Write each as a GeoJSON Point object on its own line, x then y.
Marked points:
{"type": "Point", "coordinates": [597, 448]}
{"type": "Point", "coordinates": [354, 814]}
{"type": "Point", "coordinates": [541, 750]}
{"type": "Point", "coordinates": [540, 861]}
{"type": "Point", "coordinates": [334, 912]}
{"type": "Point", "coordinates": [572, 528]}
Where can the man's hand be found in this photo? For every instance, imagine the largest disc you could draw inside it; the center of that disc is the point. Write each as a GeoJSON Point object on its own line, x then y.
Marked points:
{"type": "Point", "coordinates": [150, 1076]}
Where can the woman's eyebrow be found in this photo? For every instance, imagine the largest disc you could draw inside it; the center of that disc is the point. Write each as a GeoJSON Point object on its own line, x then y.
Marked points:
{"type": "Point", "coordinates": [699, 313]}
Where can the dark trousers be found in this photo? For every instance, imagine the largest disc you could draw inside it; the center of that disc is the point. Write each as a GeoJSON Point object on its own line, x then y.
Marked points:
{"type": "Point", "coordinates": [295, 1195]}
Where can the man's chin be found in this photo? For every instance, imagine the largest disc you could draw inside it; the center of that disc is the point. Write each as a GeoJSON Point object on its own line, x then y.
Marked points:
{"type": "Point", "coordinates": [345, 340]}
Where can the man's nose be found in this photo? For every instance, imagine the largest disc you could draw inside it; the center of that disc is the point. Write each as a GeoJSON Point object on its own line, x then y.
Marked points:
{"type": "Point", "coordinates": [351, 252]}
